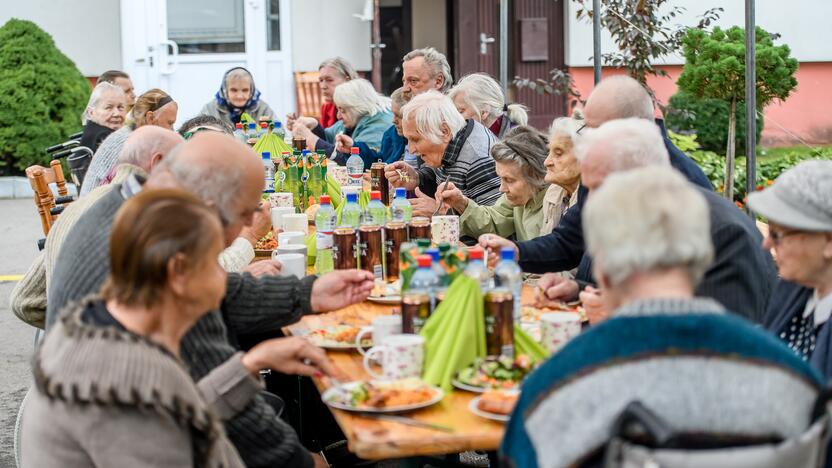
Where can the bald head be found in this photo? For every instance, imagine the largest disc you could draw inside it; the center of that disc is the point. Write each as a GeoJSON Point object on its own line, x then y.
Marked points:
{"type": "Point", "coordinates": [147, 146]}
{"type": "Point", "coordinates": [617, 97]}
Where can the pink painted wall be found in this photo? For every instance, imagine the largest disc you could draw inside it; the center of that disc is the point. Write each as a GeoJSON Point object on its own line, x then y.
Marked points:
{"type": "Point", "coordinates": [806, 114]}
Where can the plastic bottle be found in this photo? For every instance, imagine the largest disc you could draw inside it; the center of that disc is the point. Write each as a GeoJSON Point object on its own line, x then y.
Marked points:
{"type": "Point", "coordinates": [293, 178]}
{"type": "Point", "coordinates": [509, 275]}
{"type": "Point", "coordinates": [268, 169]}
{"type": "Point", "coordinates": [418, 302]}
{"type": "Point", "coordinates": [351, 214]}
{"type": "Point", "coordinates": [280, 172]}
{"type": "Point", "coordinates": [355, 167]}
{"type": "Point", "coordinates": [264, 129]}
{"type": "Point", "coordinates": [376, 214]}
{"type": "Point", "coordinates": [400, 209]}
{"type": "Point", "coordinates": [441, 274]}
{"type": "Point", "coordinates": [325, 221]}
{"type": "Point", "coordinates": [239, 133]}
{"type": "Point", "coordinates": [476, 268]}
{"type": "Point", "coordinates": [252, 131]}
{"type": "Point", "coordinates": [278, 130]}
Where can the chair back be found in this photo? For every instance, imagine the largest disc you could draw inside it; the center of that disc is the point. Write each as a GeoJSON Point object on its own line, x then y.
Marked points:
{"type": "Point", "coordinates": [39, 178]}
{"type": "Point", "coordinates": [308, 94]}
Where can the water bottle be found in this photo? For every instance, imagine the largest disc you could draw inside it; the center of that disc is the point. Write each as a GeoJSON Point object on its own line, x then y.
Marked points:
{"type": "Point", "coordinates": [355, 167]}
{"type": "Point", "coordinates": [264, 129]}
{"type": "Point", "coordinates": [418, 302]}
{"type": "Point", "coordinates": [252, 132]}
{"type": "Point", "coordinates": [441, 274]}
{"type": "Point", "coordinates": [351, 214]}
{"type": "Point", "coordinates": [325, 221]}
{"type": "Point", "coordinates": [508, 275]}
{"type": "Point", "coordinates": [268, 168]}
{"type": "Point", "coordinates": [400, 209]}
{"type": "Point", "coordinates": [376, 214]}
{"type": "Point", "coordinates": [239, 133]}
{"type": "Point", "coordinates": [476, 268]}
{"type": "Point", "coordinates": [278, 130]}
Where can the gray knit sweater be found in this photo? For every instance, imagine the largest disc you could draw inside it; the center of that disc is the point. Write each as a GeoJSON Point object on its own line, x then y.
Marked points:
{"type": "Point", "coordinates": [104, 159]}
{"type": "Point", "coordinates": [250, 305]}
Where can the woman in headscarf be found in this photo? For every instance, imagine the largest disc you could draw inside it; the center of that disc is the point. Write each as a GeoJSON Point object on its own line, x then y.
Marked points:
{"type": "Point", "coordinates": [236, 96]}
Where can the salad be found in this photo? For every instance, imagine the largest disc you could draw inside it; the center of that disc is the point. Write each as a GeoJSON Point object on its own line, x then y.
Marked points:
{"type": "Point", "coordinates": [496, 372]}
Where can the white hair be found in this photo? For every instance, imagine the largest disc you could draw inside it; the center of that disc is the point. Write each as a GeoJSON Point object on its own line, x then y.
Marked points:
{"type": "Point", "coordinates": [482, 93]}
{"type": "Point", "coordinates": [341, 66]}
{"type": "Point", "coordinates": [437, 62]}
{"type": "Point", "coordinates": [359, 97]}
{"type": "Point", "coordinates": [629, 143]}
{"type": "Point", "coordinates": [566, 126]}
{"type": "Point", "coordinates": [647, 219]}
{"type": "Point", "coordinates": [238, 74]}
{"type": "Point", "coordinates": [97, 94]}
{"type": "Point", "coordinates": [430, 110]}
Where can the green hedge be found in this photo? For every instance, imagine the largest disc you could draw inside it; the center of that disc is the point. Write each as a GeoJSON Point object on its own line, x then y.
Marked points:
{"type": "Point", "coordinates": [709, 120]}
{"type": "Point", "coordinates": [42, 95]}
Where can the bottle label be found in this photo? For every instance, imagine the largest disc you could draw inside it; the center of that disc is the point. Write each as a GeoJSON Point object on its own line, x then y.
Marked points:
{"type": "Point", "coordinates": [323, 240]}
{"type": "Point", "coordinates": [378, 274]}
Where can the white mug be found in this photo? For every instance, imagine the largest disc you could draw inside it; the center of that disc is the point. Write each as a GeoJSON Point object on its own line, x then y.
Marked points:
{"type": "Point", "coordinates": [277, 216]}
{"type": "Point", "coordinates": [296, 222]}
{"type": "Point", "coordinates": [282, 199]}
{"type": "Point", "coordinates": [291, 249]}
{"type": "Point", "coordinates": [401, 357]}
{"type": "Point", "coordinates": [291, 237]}
{"type": "Point", "coordinates": [381, 327]}
{"type": "Point", "coordinates": [291, 264]}
{"type": "Point", "coordinates": [557, 328]}
{"type": "Point", "coordinates": [444, 228]}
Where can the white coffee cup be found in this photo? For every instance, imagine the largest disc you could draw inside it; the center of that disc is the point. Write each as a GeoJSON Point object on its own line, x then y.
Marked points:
{"type": "Point", "coordinates": [381, 327]}
{"type": "Point", "coordinates": [292, 264]}
{"type": "Point", "coordinates": [557, 328]}
{"type": "Point", "coordinates": [296, 222]}
{"type": "Point", "coordinates": [277, 216]}
{"type": "Point", "coordinates": [291, 237]}
{"type": "Point", "coordinates": [282, 199]}
{"type": "Point", "coordinates": [401, 357]}
{"type": "Point", "coordinates": [291, 249]}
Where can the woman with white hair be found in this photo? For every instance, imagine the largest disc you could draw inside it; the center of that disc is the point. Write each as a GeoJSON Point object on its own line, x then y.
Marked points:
{"type": "Point", "coordinates": [798, 207]}
{"type": "Point", "coordinates": [237, 95]}
{"type": "Point", "coordinates": [698, 369]}
{"type": "Point", "coordinates": [452, 149]}
{"type": "Point", "coordinates": [103, 115]}
{"type": "Point", "coordinates": [364, 116]}
{"type": "Point", "coordinates": [480, 97]}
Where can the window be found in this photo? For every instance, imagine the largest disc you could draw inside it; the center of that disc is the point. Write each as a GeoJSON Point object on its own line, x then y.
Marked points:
{"type": "Point", "coordinates": [273, 24]}
{"type": "Point", "coordinates": [207, 26]}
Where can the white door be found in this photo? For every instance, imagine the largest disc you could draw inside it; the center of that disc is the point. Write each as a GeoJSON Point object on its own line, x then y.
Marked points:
{"type": "Point", "coordinates": [185, 46]}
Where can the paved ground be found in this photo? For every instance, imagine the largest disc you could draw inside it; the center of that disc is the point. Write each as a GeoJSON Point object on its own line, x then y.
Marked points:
{"type": "Point", "coordinates": [19, 231]}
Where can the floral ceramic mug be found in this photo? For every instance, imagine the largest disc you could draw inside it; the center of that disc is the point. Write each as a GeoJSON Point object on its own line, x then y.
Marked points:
{"type": "Point", "coordinates": [444, 228]}
{"type": "Point", "coordinates": [401, 357]}
{"type": "Point", "coordinates": [557, 328]}
{"type": "Point", "coordinates": [281, 199]}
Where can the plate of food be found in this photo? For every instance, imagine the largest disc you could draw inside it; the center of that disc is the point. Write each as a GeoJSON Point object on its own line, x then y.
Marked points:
{"type": "Point", "coordinates": [496, 405]}
{"type": "Point", "coordinates": [529, 314]}
{"type": "Point", "coordinates": [493, 372]}
{"type": "Point", "coordinates": [337, 337]}
{"type": "Point", "coordinates": [382, 396]}
{"type": "Point", "coordinates": [265, 245]}
{"type": "Point", "coordinates": [386, 293]}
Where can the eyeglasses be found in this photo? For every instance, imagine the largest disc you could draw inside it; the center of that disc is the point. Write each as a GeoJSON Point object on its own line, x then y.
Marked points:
{"type": "Point", "coordinates": [578, 131]}
{"type": "Point", "coordinates": [778, 236]}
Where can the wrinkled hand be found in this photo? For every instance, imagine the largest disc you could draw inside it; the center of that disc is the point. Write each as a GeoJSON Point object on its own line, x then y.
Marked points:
{"type": "Point", "coordinates": [554, 289]}
{"type": "Point", "coordinates": [596, 307]}
{"type": "Point", "coordinates": [423, 205]}
{"type": "Point", "coordinates": [340, 288]}
{"type": "Point", "coordinates": [452, 196]}
{"type": "Point", "coordinates": [495, 244]}
{"type": "Point", "coordinates": [343, 143]}
{"type": "Point", "coordinates": [261, 223]}
{"type": "Point", "coordinates": [294, 356]}
{"type": "Point", "coordinates": [392, 173]}
{"type": "Point", "coordinates": [264, 268]}
{"type": "Point", "coordinates": [307, 122]}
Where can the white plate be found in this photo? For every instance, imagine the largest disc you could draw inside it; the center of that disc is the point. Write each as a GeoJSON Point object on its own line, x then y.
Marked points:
{"type": "Point", "coordinates": [325, 343]}
{"type": "Point", "coordinates": [386, 300]}
{"type": "Point", "coordinates": [472, 407]}
{"type": "Point", "coordinates": [470, 388]}
{"type": "Point", "coordinates": [330, 392]}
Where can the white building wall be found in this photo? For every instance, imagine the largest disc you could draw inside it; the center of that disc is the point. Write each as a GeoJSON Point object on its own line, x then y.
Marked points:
{"type": "Point", "coordinates": [86, 31]}
{"type": "Point", "coordinates": [326, 28]}
{"type": "Point", "coordinates": [803, 25]}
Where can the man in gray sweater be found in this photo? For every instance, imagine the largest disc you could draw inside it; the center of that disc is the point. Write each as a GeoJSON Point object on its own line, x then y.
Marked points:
{"type": "Point", "coordinates": [228, 176]}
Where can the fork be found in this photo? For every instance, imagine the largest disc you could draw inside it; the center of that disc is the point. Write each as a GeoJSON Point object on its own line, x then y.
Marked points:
{"type": "Point", "coordinates": [447, 179]}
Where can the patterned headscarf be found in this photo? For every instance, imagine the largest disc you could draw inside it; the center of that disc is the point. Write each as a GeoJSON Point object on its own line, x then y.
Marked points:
{"type": "Point", "coordinates": [223, 101]}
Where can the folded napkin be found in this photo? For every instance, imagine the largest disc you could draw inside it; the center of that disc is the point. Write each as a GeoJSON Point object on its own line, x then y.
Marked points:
{"type": "Point", "coordinates": [524, 344]}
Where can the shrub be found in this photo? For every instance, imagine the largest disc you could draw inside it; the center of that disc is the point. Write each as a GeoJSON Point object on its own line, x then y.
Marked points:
{"type": "Point", "coordinates": [42, 95]}
{"type": "Point", "coordinates": [708, 118]}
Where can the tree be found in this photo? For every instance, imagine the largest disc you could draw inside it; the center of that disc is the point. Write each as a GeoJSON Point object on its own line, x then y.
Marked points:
{"type": "Point", "coordinates": [42, 95]}
{"type": "Point", "coordinates": [715, 69]}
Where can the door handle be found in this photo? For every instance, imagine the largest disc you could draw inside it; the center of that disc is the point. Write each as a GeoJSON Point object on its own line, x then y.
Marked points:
{"type": "Point", "coordinates": [484, 41]}
{"type": "Point", "coordinates": [170, 65]}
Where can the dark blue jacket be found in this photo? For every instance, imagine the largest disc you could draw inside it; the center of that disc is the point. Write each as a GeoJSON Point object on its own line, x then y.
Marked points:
{"type": "Point", "coordinates": [392, 148]}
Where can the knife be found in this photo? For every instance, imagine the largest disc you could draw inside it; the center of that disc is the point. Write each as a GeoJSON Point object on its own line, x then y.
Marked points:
{"type": "Point", "coordinates": [407, 421]}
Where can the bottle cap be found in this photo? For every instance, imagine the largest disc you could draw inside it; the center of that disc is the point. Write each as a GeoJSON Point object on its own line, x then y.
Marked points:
{"type": "Point", "coordinates": [277, 124]}
{"type": "Point", "coordinates": [507, 253]}
{"type": "Point", "coordinates": [325, 200]}
{"type": "Point", "coordinates": [352, 197]}
{"type": "Point", "coordinates": [354, 150]}
{"type": "Point", "coordinates": [475, 254]}
{"type": "Point", "coordinates": [264, 125]}
{"type": "Point", "coordinates": [321, 152]}
{"type": "Point", "coordinates": [375, 195]}
{"type": "Point", "coordinates": [252, 125]}
{"type": "Point", "coordinates": [401, 192]}
{"type": "Point", "coordinates": [434, 253]}
{"type": "Point", "coordinates": [286, 153]}
{"type": "Point", "coordinates": [423, 243]}
{"type": "Point", "coordinates": [444, 247]}
{"type": "Point", "coordinates": [267, 155]}
{"type": "Point", "coordinates": [238, 125]}
{"type": "Point", "coordinates": [424, 261]}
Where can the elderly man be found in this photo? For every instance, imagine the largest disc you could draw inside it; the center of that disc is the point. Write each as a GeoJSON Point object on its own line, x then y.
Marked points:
{"type": "Point", "coordinates": [142, 151]}
{"type": "Point", "coordinates": [425, 69]}
{"type": "Point", "coordinates": [706, 375]}
{"type": "Point", "coordinates": [453, 150]}
{"type": "Point", "coordinates": [227, 175]}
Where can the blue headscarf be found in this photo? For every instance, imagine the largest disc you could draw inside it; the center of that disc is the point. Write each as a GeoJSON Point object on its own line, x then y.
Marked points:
{"type": "Point", "coordinates": [222, 97]}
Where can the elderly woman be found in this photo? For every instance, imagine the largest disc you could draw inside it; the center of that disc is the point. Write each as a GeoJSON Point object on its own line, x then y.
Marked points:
{"type": "Point", "coordinates": [518, 213]}
{"type": "Point", "coordinates": [103, 115]}
{"type": "Point", "coordinates": [562, 171]}
{"type": "Point", "coordinates": [799, 211]}
{"type": "Point", "coordinates": [480, 97]}
{"type": "Point", "coordinates": [364, 116]}
{"type": "Point", "coordinates": [393, 144]}
{"type": "Point", "coordinates": [332, 72]}
{"type": "Point", "coordinates": [154, 107]}
{"type": "Point", "coordinates": [692, 365]}
{"type": "Point", "coordinates": [110, 388]}
{"type": "Point", "coordinates": [237, 95]}
{"type": "Point", "coordinates": [453, 150]}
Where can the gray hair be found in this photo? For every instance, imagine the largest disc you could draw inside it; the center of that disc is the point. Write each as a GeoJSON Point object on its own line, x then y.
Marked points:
{"type": "Point", "coordinates": [483, 93]}
{"type": "Point", "coordinates": [566, 126]}
{"type": "Point", "coordinates": [437, 62]}
{"type": "Point", "coordinates": [359, 97]}
{"type": "Point", "coordinates": [430, 110]}
{"type": "Point", "coordinates": [527, 148]}
{"type": "Point", "coordinates": [630, 143]}
{"type": "Point", "coordinates": [341, 66]}
{"type": "Point", "coordinates": [633, 223]}
{"type": "Point", "coordinates": [97, 93]}
{"type": "Point", "coordinates": [239, 73]}
{"type": "Point", "coordinates": [398, 98]}
{"type": "Point", "coordinates": [630, 99]}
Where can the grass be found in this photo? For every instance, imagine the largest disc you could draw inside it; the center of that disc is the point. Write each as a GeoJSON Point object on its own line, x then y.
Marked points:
{"type": "Point", "coordinates": [801, 150]}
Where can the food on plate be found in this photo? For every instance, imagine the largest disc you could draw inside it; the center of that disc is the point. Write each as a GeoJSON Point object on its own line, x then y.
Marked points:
{"type": "Point", "coordinates": [498, 402]}
{"type": "Point", "coordinates": [267, 242]}
{"type": "Point", "coordinates": [341, 334]}
{"type": "Point", "coordinates": [382, 289]}
{"type": "Point", "coordinates": [496, 372]}
{"type": "Point", "coordinates": [380, 395]}
{"type": "Point", "coordinates": [532, 314]}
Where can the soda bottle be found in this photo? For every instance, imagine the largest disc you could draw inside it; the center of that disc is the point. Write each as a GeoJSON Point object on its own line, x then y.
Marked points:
{"type": "Point", "coordinates": [376, 214]}
{"type": "Point", "coordinates": [293, 178]}
{"type": "Point", "coordinates": [509, 276]}
{"type": "Point", "coordinates": [355, 167]}
{"type": "Point", "coordinates": [476, 268]}
{"type": "Point", "coordinates": [418, 301]}
{"type": "Point", "coordinates": [351, 214]}
{"type": "Point", "coordinates": [239, 133]}
{"type": "Point", "coordinates": [400, 209]}
{"type": "Point", "coordinates": [325, 221]}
